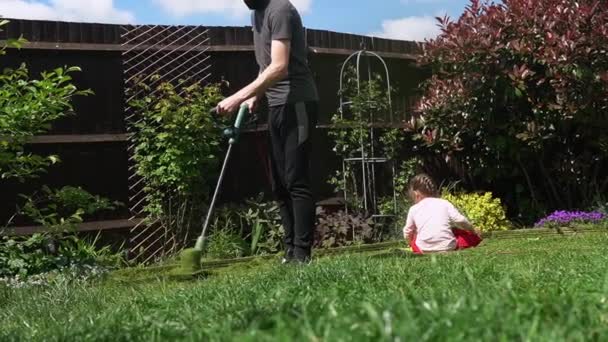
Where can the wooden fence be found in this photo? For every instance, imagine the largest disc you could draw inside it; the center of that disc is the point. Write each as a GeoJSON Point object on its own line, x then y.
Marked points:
{"type": "Point", "coordinates": [93, 143]}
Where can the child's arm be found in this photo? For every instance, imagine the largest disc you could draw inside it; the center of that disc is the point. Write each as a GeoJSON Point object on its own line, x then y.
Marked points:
{"type": "Point", "coordinates": [458, 220]}
{"type": "Point", "coordinates": [410, 227]}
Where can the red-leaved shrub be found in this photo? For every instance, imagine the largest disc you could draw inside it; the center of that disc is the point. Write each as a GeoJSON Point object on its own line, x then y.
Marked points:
{"type": "Point", "coordinates": [519, 99]}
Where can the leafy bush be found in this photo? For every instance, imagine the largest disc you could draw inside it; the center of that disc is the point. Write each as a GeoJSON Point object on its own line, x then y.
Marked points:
{"type": "Point", "coordinates": [341, 229]}
{"type": "Point", "coordinates": [27, 108]}
{"type": "Point", "coordinates": [567, 218]}
{"type": "Point", "coordinates": [483, 211]}
{"type": "Point", "coordinates": [59, 211]}
{"type": "Point", "coordinates": [42, 253]}
{"type": "Point", "coordinates": [518, 100]}
{"type": "Point", "coordinates": [176, 146]}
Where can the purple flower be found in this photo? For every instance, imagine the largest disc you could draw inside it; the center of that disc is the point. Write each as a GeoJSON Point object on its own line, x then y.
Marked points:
{"type": "Point", "coordinates": [567, 217]}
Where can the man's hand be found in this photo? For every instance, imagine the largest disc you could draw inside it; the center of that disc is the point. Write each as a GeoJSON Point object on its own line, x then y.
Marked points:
{"type": "Point", "coordinates": [252, 103]}
{"type": "Point", "coordinates": [229, 105]}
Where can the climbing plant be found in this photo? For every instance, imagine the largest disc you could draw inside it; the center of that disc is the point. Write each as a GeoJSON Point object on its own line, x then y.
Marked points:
{"type": "Point", "coordinates": [363, 122]}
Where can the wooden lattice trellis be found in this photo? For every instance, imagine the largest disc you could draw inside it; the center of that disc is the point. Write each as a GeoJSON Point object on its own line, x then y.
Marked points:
{"type": "Point", "coordinates": [176, 54]}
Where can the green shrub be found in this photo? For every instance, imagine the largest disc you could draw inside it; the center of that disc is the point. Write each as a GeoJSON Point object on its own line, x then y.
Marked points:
{"type": "Point", "coordinates": [177, 143]}
{"type": "Point", "coordinates": [42, 253]}
{"type": "Point", "coordinates": [485, 212]}
{"type": "Point", "coordinates": [59, 211]}
{"type": "Point", "coordinates": [62, 209]}
{"type": "Point", "coordinates": [28, 107]}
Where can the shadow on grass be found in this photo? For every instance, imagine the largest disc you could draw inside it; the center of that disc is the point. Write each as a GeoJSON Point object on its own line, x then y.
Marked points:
{"type": "Point", "coordinates": [143, 276]}
{"type": "Point", "coordinates": [396, 254]}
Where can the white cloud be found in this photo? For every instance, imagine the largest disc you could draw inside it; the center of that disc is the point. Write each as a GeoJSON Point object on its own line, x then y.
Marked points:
{"type": "Point", "coordinates": [182, 8]}
{"type": "Point", "coordinates": [409, 28]}
{"type": "Point", "coordinates": [67, 10]}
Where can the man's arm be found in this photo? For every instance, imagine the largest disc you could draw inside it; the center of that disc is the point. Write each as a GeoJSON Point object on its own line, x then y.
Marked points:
{"type": "Point", "coordinates": [275, 72]}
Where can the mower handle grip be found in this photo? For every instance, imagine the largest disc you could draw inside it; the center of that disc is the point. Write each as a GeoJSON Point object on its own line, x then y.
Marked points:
{"type": "Point", "coordinates": [240, 116]}
{"type": "Point", "coordinates": [234, 132]}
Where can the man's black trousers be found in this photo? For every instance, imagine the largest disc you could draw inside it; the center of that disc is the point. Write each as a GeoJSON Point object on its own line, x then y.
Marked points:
{"type": "Point", "coordinates": [291, 127]}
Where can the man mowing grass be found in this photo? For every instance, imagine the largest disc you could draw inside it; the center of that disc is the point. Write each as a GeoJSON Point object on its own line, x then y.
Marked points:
{"type": "Point", "coordinates": [287, 82]}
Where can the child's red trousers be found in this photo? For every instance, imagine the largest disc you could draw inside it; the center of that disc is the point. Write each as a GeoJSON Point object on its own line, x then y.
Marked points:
{"type": "Point", "coordinates": [464, 239]}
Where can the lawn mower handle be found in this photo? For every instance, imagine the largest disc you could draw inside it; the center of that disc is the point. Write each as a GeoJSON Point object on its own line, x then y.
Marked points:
{"type": "Point", "coordinates": [233, 133]}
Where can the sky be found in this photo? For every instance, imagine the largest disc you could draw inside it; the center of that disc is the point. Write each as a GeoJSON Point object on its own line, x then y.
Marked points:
{"type": "Point", "coordinates": [396, 19]}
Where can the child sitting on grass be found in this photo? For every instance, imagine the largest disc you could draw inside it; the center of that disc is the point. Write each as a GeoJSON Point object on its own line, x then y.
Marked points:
{"type": "Point", "coordinates": [434, 224]}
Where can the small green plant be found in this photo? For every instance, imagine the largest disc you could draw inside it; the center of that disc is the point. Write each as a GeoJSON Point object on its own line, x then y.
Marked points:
{"type": "Point", "coordinates": [257, 222]}
{"type": "Point", "coordinates": [264, 222]}
{"type": "Point", "coordinates": [63, 209]}
{"type": "Point", "coordinates": [41, 253]}
{"type": "Point", "coordinates": [485, 212]}
{"type": "Point", "coordinates": [226, 243]}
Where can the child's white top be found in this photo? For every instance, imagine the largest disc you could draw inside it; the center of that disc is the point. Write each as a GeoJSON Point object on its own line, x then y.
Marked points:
{"type": "Point", "coordinates": [432, 220]}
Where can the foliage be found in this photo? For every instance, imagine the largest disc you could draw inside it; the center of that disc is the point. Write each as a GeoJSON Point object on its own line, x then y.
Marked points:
{"type": "Point", "coordinates": [226, 243]}
{"type": "Point", "coordinates": [73, 274]}
{"type": "Point", "coordinates": [62, 209]}
{"type": "Point", "coordinates": [518, 97]}
{"type": "Point", "coordinates": [341, 229]}
{"type": "Point", "coordinates": [42, 253]}
{"type": "Point", "coordinates": [176, 146]}
{"type": "Point", "coordinates": [59, 211]}
{"type": "Point", "coordinates": [177, 142]}
{"type": "Point", "coordinates": [356, 126]}
{"type": "Point", "coordinates": [564, 218]}
{"type": "Point", "coordinates": [27, 108]}
{"type": "Point", "coordinates": [483, 211]}
{"type": "Point", "coordinates": [13, 43]}
{"type": "Point", "coordinates": [263, 220]}
{"type": "Point", "coordinates": [255, 222]}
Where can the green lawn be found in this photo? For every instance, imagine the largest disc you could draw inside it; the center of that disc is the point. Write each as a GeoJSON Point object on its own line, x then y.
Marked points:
{"type": "Point", "coordinates": [541, 289]}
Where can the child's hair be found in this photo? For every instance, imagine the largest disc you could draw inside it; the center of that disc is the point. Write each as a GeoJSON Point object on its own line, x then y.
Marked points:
{"type": "Point", "coordinates": [424, 184]}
